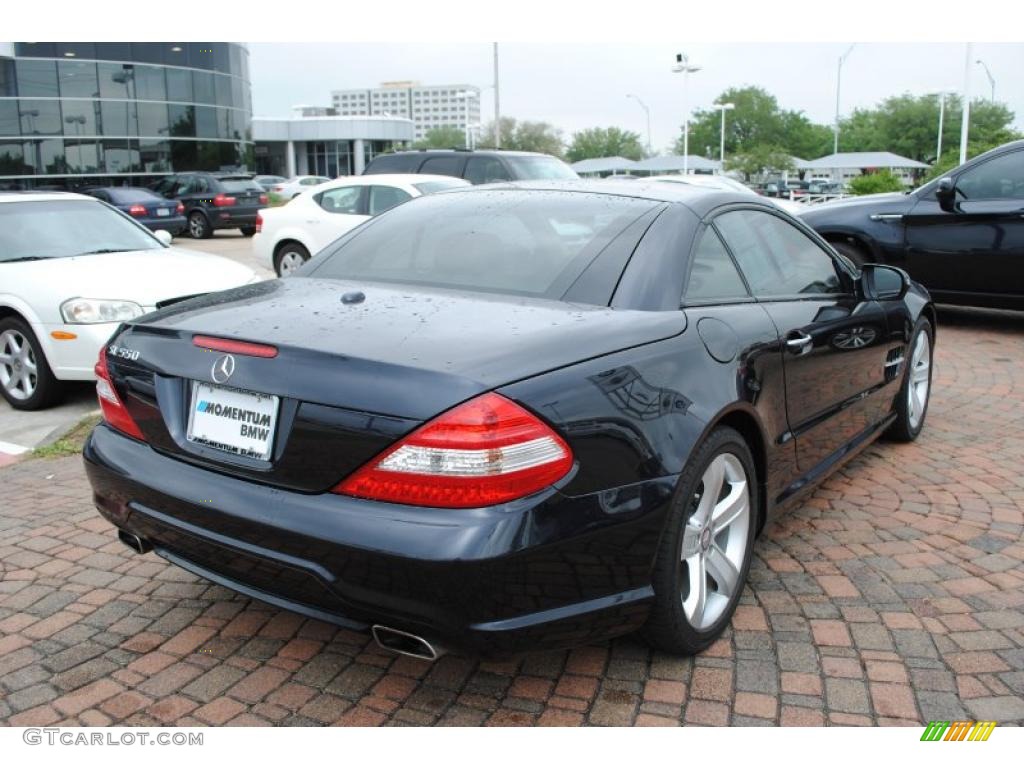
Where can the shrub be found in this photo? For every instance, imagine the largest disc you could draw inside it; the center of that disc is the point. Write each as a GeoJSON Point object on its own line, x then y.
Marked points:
{"type": "Point", "coordinates": [880, 181]}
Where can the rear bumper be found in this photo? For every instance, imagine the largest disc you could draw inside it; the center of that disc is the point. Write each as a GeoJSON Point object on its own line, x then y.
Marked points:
{"type": "Point", "coordinates": [550, 571]}
{"type": "Point", "coordinates": [225, 218]}
{"type": "Point", "coordinates": [173, 224]}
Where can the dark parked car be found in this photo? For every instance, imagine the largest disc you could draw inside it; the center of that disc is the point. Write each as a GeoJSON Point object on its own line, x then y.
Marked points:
{"type": "Point", "coordinates": [145, 206]}
{"type": "Point", "coordinates": [511, 417]}
{"type": "Point", "coordinates": [961, 236]}
{"type": "Point", "coordinates": [215, 201]}
{"type": "Point", "coordinates": [477, 167]}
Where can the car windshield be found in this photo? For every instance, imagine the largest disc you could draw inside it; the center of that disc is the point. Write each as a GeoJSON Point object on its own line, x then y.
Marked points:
{"type": "Point", "coordinates": [429, 187]}
{"type": "Point", "coordinates": [522, 242]}
{"type": "Point", "coordinates": [240, 185]}
{"type": "Point", "coordinates": [56, 228]}
{"type": "Point", "coordinates": [529, 167]}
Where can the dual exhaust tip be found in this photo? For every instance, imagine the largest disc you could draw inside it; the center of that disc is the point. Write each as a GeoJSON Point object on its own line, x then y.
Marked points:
{"type": "Point", "coordinates": [394, 640]}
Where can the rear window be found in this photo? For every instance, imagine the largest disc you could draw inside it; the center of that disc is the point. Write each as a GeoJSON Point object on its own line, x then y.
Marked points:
{"type": "Point", "coordinates": [430, 187]}
{"type": "Point", "coordinates": [127, 196]}
{"type": "Point", "coordinates": [240, 185]}
{"type": "Point", "coordinates": [498, 241]}
{"type": "Point", "coordinates": [531, 168]}
{"type": "Point", "coordinates": [392, 164]}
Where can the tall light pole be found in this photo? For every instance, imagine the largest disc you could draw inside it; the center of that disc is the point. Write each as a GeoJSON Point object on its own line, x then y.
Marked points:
{"type": "Point", "coordinates": [684, 66]}
{"type": "Point", "coordinates": [648, 112]}
{"type": "Point", "coordinates": [991, 80]}
{"type": "Point", "coordinates": [497, 103]}
{"type": "Point", "coordinates": [721, 134]}
{"type": "Point", "coordinates": [942, 114]}
{"type": "Point", "coordinates": [839, 81]}
{"type": "Point", "coordinates": [965, 120]}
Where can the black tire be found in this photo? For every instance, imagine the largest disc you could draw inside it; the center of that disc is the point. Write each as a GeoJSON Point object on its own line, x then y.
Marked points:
{"type": "Point", "coordinates": [199, 226]}
{"type": "Point", "coordinates": [248, 231]}
{"type": "Point", "coordinates": [909, 422]}
{"type": "Point", "coordinates": [853, 252]}
{"type": "Point", "coordinates": [668, 628]}
{"type": "Point", "coordinates": [46, 389]}
{"type": "Point", "coordinates": [286, 256]}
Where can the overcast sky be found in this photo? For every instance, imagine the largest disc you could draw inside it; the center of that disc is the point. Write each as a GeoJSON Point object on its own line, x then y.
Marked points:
{"type": "Point", "coordinates": [577, 85]}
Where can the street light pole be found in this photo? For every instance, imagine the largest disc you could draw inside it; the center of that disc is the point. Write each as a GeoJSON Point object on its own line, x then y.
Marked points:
{"type": "Point", "coordinates": [721, 135]}
{"type": "Point", "coordinates": [497, 103]}
{"type": "Point", "coordinates": [839, 80]}
{"type": "Point", "coordinates": [991, 80]}
{"type": "Point", "coordinates": [942, 114]}
{"type": "Point", "coordinates": [965, 120]}
{"type": "Point", "coordinates": [648, 112]}
{"type": "Point", "coordinates": [683, 65]}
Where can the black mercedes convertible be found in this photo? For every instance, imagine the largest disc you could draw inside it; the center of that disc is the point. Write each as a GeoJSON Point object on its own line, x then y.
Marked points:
{"type": "Point", "coordinates": [511, 417]}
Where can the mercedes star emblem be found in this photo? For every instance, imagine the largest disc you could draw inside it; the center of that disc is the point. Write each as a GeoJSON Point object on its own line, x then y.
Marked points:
{"type": "Point", "coordinates": [223, 368]}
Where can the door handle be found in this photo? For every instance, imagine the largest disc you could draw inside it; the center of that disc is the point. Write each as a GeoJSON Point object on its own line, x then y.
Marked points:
{"type": "Point", "coordinates": [799, 343]}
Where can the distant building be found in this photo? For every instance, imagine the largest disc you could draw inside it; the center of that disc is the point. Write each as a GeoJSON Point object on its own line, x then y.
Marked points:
{"type": "Point", "coordinates": [428, 106]}
{"type": "Point", "coordinates": [848, 165]}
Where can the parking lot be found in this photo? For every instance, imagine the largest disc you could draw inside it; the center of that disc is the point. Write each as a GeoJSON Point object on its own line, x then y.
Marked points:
{"type": "Point", "coordinates": [894, 596]}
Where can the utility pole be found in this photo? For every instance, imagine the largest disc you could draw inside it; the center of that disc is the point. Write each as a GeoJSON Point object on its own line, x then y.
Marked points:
{"type": "Point", "coordinates": [991, 80]}
{"type": "Point", "coordinates": [839, 80]}
{"type": "Point", "coordinates": [646, 112]}
{"type": "Point", "coordinates": [497, 103]}
{"type": "Point", "coordinates": [684, 67]}
{"type": "Point", "coordinates": [965, 121]}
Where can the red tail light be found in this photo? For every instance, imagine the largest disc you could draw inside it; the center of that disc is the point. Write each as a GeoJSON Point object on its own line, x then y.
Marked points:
{"type": "Point", "coordinates": [235, 347]}
{"type": "Point", "coordinates": [222, 200]}
{"type": "Point", "coordinates": [486, 451]}
{"type": "Point", "coordinates": [180, 208]}
{"type": "Point", "coordinates": [137, 210]}
{"type": "Point", "coordinates": [114, 412]}
{"type": "Point", "coordinates": [264, 199]}
{"type": "Point", "coordinates": [259, 223]}
{"type": "Point", "coordinates": [276, 189]}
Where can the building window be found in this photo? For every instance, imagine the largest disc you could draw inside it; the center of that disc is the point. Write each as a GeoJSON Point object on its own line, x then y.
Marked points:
{"type": "Point", "coordinates": [119, 118]}
{"type": "Point", "coordinates": [149, 83]}
{"type": "Point", "coordinates": [37, 78]}
{"type": "Point", "coordinates": [153, 119]}
{"type": "Point", "coordinates": [179, 85]}
{"type": "Point", "coordinates": [39, 117]}
{"type": "Point", "coordinates": [117, 81]}
{"type": "Point", "coordinates": [78, 79]}
{"type": "Point", "coordinates": [80, 117]}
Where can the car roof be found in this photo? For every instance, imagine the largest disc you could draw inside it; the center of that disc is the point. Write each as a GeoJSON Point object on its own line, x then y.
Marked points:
{"type": "Point", "coordinates": [398, 178]}
{"type": "Point", "coordinates": [37, 197]}
{"type": "Point", "coordinates": [467, 152]}
{"type": "Point", "coordinates": [701, 200]}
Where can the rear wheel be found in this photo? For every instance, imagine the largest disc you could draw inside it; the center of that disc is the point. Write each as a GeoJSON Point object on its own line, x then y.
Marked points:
{"type": "Point", "coordinates": [198, 226]}
{"type": "Point", "coordinates": [289, 257]}
{"type": "Point", "coordinates": [854, 253]}
{"type": "Point", "coordinates": [248, 231]}
{"type": "Point", "coordinates": [704, 554]}
{"type": "Point", "coordinates": [26, 381]}
{"type": "Point", "coordinates": [912, 400]}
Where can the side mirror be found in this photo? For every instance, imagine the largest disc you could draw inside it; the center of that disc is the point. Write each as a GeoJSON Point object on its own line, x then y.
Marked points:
{"type": "Point", "coordinates": [945, 193]}
{"type": "Point", "coordinates": [163, 236]}
{"type": "Point", "coordinates": [883, 283]}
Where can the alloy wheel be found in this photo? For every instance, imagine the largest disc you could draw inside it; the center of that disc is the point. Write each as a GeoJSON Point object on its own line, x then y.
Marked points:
{"type": "Point", "coordinates": [19, 374]}
{"type": "Point", "coordinates": [715, 541]}
{"type": "Point", "coordinates": [290, 261]}
{"type": "Point", "coordinates": [920, 379]}
{"type": "Point", "coordinates": [196, 226]}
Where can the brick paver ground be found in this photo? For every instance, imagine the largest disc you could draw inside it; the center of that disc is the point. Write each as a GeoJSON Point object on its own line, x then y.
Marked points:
{"type": "Point", "coordinates": [894, 596]}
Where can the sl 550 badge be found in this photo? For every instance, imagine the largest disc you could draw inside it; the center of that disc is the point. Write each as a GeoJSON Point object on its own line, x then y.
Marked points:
{"type": "Point", "coordinates": [123, 352]}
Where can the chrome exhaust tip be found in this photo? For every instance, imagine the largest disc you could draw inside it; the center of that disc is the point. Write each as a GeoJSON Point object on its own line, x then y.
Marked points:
{"type": "Point", "coordinates": [404, 643]}
{"type": "Point", "coordinates": [133, 541]}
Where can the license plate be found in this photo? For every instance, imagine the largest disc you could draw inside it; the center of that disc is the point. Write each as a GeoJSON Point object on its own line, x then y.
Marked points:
{"type": "Point", "coordinates": [163, 211]}
{"type": "Point", "coordinates": [232, 420]}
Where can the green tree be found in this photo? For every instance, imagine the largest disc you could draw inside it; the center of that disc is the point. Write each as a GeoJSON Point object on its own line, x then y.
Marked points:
{"type": "Point", "coordinates": [604, 142]}
{"type": "Point", "coordinates": [756, 120]}
{"type": "Point", "coordinates": [760, 159]}
{"type": "Point", "coordinates": [908, 125]}
{"type": "Point", "coordinates": [525, 136]}
{"type": "Point", "coordinates": [880, 181]}
{"type": "Point", "coordinates": [442, 137]}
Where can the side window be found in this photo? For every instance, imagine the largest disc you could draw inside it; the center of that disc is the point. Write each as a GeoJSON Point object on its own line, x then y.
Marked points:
{"type": "Point", "coordinates": [777, 259]}
{"type": "Point", "coordinates": [185, 186]}
{"type": "Point", "coordinates": [200, 185]}
{"type": "Point", "coordinates": [312, 181]}
{"type": "Point", "coordinates": [481, 170]}
{"type": "Point", "coordinates": [382, 198]}
{"type": "Point", "coordinates": [340, 199]}
{"type": "Point", "coordinates": [165, 186]}
{"type": "Point", "coordinates": [999, 178]}
{"type": "Point", "coordinates": [713, 276]}
{"type": "Point", "coordinates": [445, 165]}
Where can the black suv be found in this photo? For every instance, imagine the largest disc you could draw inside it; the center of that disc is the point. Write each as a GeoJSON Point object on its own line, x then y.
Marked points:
{"type": "Point", "coordinates": [215, 200]}
{"type": "Point", "coordinates": [475, 166]}
{"type": "Point", "coordinates": [961, 236]}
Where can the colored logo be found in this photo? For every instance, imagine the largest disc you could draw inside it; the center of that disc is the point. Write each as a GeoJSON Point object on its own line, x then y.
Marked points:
{"type": "Point", "coordinates": [958, 730]}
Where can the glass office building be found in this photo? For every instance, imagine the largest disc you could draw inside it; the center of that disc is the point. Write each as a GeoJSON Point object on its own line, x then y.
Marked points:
{"type": "Point", "coordinates": [73, 114]}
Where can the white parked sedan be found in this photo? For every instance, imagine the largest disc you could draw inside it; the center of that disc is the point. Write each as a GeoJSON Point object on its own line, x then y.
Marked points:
{"type": "Point", "coordinates": [71, 269]}
{"type": "Point", "coordinates": [289, 188]}
{"type": "Point", "coordinates": [727, 184]}
{"type": "Point", "coordinates": [288, 235]}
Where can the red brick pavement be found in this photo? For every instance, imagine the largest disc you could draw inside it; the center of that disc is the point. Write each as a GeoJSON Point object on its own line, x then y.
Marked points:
{"type": "Point", "coordinates": [895, 595]}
